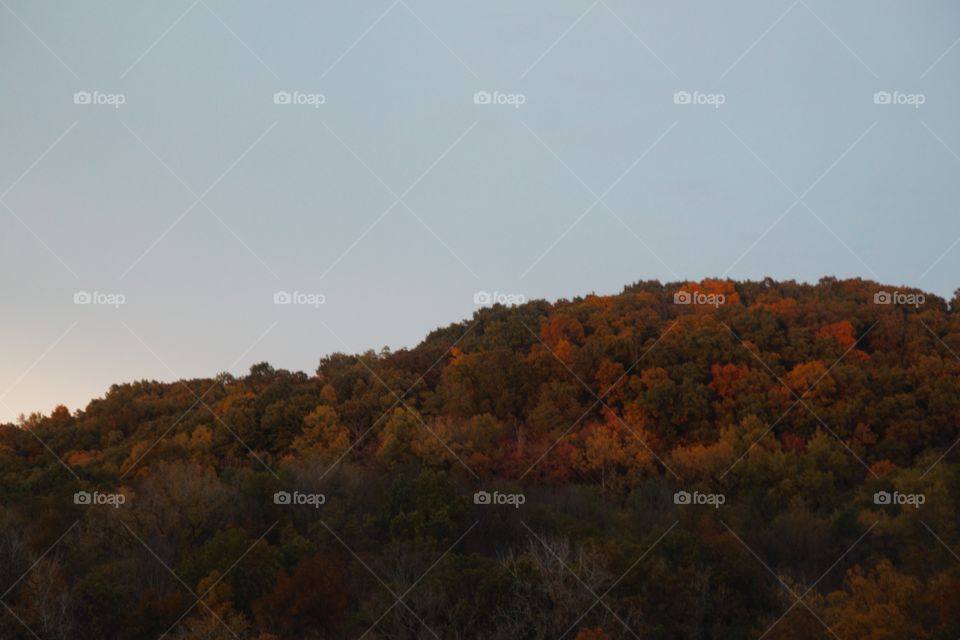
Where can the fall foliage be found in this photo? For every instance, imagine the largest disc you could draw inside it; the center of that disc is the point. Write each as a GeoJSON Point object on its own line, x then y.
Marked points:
{"type": "Point", "coordinates": [797, 403]}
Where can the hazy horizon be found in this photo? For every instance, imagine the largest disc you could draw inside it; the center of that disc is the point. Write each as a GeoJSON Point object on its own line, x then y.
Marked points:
{"type": "Point", "coordinates": [198, 157]}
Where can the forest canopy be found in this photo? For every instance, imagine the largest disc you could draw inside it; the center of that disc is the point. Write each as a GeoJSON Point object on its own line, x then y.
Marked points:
{"type": "Point", "coordinates": [689, 460]}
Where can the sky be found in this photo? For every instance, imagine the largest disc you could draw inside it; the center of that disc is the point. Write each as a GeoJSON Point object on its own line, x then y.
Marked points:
{"type": "Point", "coordinates": [172, 170]}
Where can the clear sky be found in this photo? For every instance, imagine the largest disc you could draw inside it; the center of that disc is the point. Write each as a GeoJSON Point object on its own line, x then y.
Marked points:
{"type": "Point", "coordinates": [179, 182]}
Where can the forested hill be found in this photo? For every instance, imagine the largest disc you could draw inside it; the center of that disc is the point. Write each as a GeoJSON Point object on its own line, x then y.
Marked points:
{"type": "Point", "coordinates": [784, 408]}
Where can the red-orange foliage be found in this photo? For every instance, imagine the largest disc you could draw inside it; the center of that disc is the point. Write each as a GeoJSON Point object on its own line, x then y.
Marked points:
{"type": "Point", "coordinates": [843, 332]}
{"type": "Point", "coordinates": [561, 328]}
{"type": "Point", "coordinates": [727, 378]}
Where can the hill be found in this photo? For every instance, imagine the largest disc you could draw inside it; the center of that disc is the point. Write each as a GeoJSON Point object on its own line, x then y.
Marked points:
{"type": "Point", "coordinates": [690, 460]}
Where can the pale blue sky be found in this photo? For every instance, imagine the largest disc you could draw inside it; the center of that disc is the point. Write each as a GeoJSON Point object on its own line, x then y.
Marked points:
{"type": "Point", "coordinates": [493, 197]}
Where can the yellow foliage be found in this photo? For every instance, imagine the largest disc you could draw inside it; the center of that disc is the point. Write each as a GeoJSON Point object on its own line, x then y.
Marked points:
{"type": "Point", "coordinates": [80, 458]}
{"type": "Point", "coordinates": [702, 462]}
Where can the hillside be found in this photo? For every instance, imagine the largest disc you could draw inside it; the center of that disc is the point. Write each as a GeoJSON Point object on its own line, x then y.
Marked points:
{"type": "Point", "coordinates": [691, 460]}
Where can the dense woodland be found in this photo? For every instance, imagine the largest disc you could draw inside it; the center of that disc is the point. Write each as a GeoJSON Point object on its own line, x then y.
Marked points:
{"type": "Point", "coordinates": [796, 403]}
